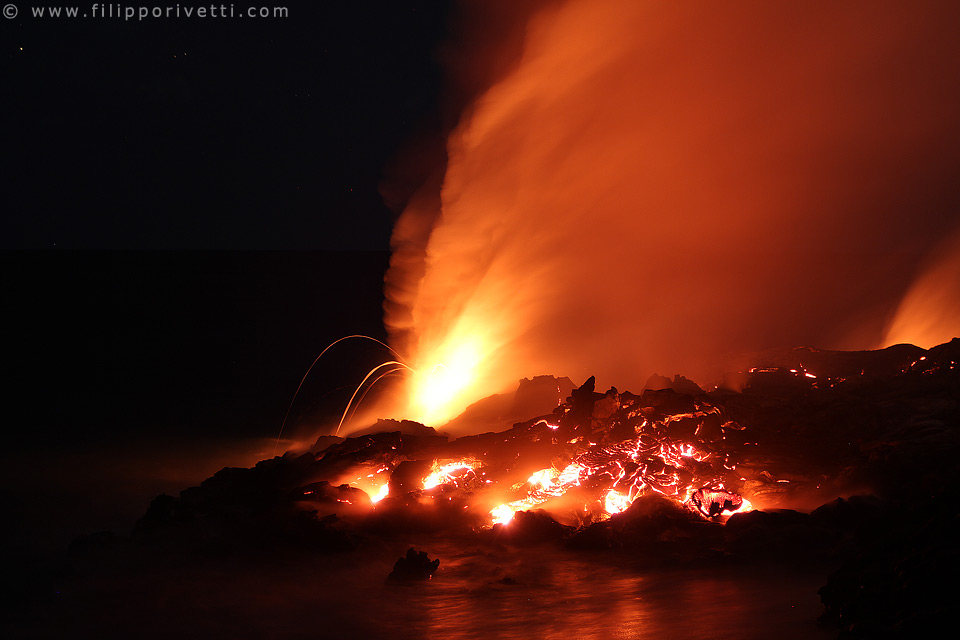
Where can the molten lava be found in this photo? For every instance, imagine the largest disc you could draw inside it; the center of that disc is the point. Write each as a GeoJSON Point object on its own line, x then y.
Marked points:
{"type": "Point", "coordinates": [608, 450]}
{"type": "Point", "coordinates": [449, 473]}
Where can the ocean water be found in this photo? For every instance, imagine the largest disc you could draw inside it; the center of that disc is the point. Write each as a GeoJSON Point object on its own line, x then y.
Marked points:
{"type": "Point", "coordinates": [480, 591]}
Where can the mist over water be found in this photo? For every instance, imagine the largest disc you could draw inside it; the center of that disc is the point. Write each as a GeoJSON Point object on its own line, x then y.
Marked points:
{"type": "Point", "coordinates": [55, 494]}
{"type": "Point", "coordinates": [665, 187]}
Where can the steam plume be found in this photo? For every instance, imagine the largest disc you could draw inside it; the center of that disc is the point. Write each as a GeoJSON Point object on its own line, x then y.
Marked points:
{"type": "Point", "coordinates": [663, 186]}
{"type": "Point", "coordinates": [930, 312]}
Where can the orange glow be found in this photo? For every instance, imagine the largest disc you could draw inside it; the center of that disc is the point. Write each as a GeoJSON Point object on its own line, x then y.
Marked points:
{"type": "Point", "coordinates": [448, 473]}
{"type": "Point", "coordinates": [505, 512]}
{"type": "Point", "coordinates": [502, 514]}
{"type": "Point", "coordinates": [543, 479]}
{"type": "Point", "coordinates": [930, 312]}
{"type": "Point", "coordinates": [381, 493]}
{"type": "Point", "coordinates": [632, 468]}
{"type": "Point", "coordinates": [438, 389]}
{"type": "Point", "coordinates": [615, 502]}
{"type": "Point", "coordinates": [571, 474]}
{"type": "Point", "coordinates": [655, 186]}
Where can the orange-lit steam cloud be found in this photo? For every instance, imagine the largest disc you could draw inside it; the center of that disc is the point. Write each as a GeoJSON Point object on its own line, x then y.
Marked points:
{"type": "Point", "coordinates": [663, 186]}
{"type": "Point", "coordinates": [930, 312]}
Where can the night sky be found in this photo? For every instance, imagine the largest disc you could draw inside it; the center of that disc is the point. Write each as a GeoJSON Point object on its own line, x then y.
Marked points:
{"type": "Point", "coordinates": [217, 134]}
{"type": "Point", "coordinates": [193, 210]}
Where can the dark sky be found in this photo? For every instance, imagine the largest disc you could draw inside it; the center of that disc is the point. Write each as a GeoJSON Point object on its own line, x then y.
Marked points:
{"type": "Point", "coordinates": [213, 134]}
{"type": "Point", "coordinates": [192, 210]}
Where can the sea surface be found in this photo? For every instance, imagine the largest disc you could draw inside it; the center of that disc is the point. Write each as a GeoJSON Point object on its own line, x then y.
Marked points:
{"type": "Point", "coordinates": [485, 591]}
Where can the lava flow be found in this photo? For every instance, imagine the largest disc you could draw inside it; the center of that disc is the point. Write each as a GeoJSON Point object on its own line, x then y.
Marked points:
{"type": "Point", "coordinates": [605, 450]}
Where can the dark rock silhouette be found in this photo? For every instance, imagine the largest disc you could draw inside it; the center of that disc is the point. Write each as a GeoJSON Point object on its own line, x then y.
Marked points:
{"type": "Point", "coordinates": [413, 567]}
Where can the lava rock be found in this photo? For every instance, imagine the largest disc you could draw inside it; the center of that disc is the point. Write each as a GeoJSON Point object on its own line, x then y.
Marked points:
{"type": "Point", "coordinates": [656, 528]}
{"type": "Point", "coordinates": [713, 502]}
{"type": "Point", "coordinates": [680, 384]}
{"type": "Point", "coordinates": [851, 514]}
{"type": "Point", "coordinates": [668, 401]}
{"type": "Point", "coordinates": [540, 395]}
{"type": "Point", "coordinates": [404, 427]}
{"type": "Point", "coordinates": [778, 533]}
{"type": "Point", "coordinates": [408, 476]}
{"type": "Point", "coordinates": [323, 443]}
{"type": "Point", "coordinates": [530, 528]}
{"type": "Point", "coordinates": [895, 582]}
{"type": "Point", "coordinates": [164, 511]}
{"type": "Point", "coordinates": [581, 403]}
{"type": "Point", "coordinates": [413, 567]}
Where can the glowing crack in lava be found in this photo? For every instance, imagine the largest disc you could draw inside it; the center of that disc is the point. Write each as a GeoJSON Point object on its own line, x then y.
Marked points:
{"type": "Point", "coordinates": [450, 473]}
{"type": "Point", "coordinates": [663, 186]}
{"type": "Point", "coordinates": [629, 469]}
{"type": "Point", "coordinates": [608, 451]}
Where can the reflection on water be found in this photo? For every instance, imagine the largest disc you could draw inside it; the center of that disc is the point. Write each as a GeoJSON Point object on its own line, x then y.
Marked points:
{"type": "Point", "coordinates": [479, 592]}
{"type": "Point", "coordinates": [556, 595]}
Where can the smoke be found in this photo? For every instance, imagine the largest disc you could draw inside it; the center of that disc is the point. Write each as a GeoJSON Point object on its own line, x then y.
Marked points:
{"type": "Point", "coordinates": [664, 187]}
{"type": "Point", "coordinates": [930, 312]}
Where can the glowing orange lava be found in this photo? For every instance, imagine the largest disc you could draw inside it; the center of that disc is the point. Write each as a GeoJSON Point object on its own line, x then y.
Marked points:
{"type": "Point", "coordinates": [452, 472]}
{"type": "Point", "coordinates": [381, 493]}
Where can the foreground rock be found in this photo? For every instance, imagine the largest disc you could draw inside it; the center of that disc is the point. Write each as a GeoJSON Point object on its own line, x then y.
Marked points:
{"type": "Point", "coordinates": [414, 567]}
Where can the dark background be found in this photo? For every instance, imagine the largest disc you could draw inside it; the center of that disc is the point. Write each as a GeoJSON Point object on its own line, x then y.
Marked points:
{"type": "Point", "coordinates": [193, 210]}
{"type": "Point", "coordinates": [214, 134]}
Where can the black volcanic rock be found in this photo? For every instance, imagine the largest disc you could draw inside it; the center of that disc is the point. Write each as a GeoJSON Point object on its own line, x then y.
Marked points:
{"type": "Point", "coordinates": [323, 443]}
{"type": "Point", "coordinates": [778, 533]}
{"type": "Point", "coordinates": [540, 395]}
{"type": "Point", "coordinates": [655, 529]}
{"type": "Point", "coordinates": [581, 401]}
{"type": "Point", "coordinates": [946, 354]}
{"type": "Point", "coordinates": [413, 567]}
{"type": "Point", "coordinates": [164, 511]}
{"type": "Point", "coordinates": [896, 581]}
{"type": "Point", "coordinates": [680, 384]}
{"type": "Point", "coordinates": [408, 476]}
{"type": "Point", "coordinates": [667, 401]}
{"type": "Point", "coordinates": [405, 427]}
{"type": "Point", "coordinates": [853, 513]}
{"type": "Point", "coordinates": [841, 364]}
{"type": "Point", "coordinates": [530, 528]}
{"type": "Point", "coordinates": [324, 493]}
